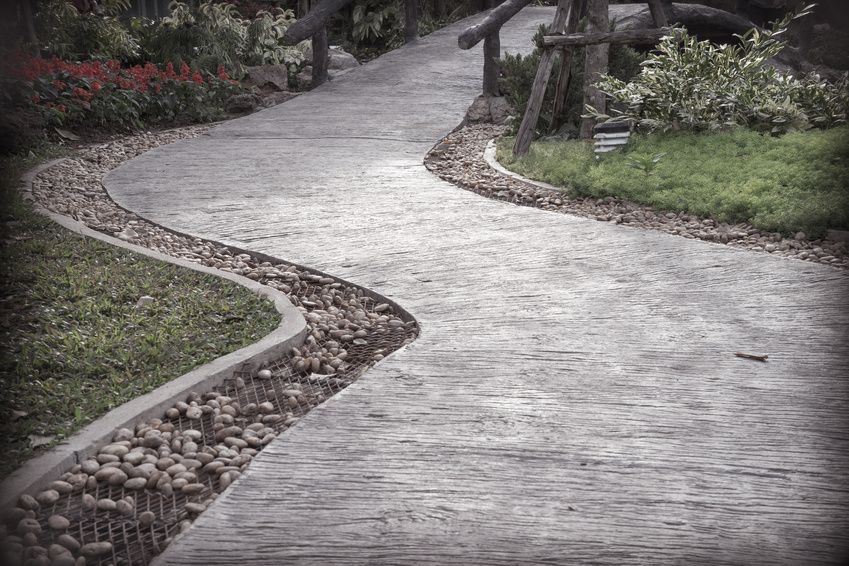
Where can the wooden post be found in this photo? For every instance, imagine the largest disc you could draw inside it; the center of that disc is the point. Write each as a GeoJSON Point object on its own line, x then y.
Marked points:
{"type": "Point", "coordinates": [658, 13]}
{"type": "Point", "coordinates": [320, 53]}
{"type": "Point", "coordinates": [595, 64]}
{"type": "Point", "coordinates": [491, 68]}
{"type": "Point", "coordinates": [565, 75]}
{"type": "Point", "coordinates": [546, 61]}
{"type": "Point", "coordinates": [411, 21]}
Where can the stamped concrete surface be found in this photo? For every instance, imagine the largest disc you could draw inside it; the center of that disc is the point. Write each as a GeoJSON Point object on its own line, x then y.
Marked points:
{"type": "Point", "coordinates": [573, 396]}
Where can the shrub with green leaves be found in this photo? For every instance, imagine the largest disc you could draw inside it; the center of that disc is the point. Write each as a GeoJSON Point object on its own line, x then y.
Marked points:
{"type": "Point", "coordinates": [68, 34]}
{"type": "Point", "coordinates": [696, 85]}
{"type": "Point", "coordinates": [214, 33]}
{"type": "Point", "coordinates": [377, 20]}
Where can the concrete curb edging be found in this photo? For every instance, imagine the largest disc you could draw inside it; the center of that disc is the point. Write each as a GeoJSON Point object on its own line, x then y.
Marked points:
{"type": "Point", "coordinates": [489, 157]}
{"type": "Point", "coordinates": [37, 472]}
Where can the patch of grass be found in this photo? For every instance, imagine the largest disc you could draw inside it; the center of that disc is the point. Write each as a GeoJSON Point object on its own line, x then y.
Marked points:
{"type": "Point", "coordinates": [796, 182]}
{"type": "Point", "coordinates": [74, 343]}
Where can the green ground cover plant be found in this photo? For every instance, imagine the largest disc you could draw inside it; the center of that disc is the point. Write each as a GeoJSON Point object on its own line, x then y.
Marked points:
{"type": "Point", "coordinates": [796, 182]}
{"type": "Point", "coordinates": [74, 344]}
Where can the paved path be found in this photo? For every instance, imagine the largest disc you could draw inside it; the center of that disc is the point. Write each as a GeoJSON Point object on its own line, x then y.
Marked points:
{"type": "Point", "coordinates": [572, 398]}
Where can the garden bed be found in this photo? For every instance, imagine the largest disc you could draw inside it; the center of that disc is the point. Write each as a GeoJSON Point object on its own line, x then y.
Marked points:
{"type": "Point", "coordinates": [77, 341]}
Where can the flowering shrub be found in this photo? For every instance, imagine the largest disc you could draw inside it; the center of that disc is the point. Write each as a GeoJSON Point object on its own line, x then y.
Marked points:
{"type": "Point", "coordinates": [103, 93]}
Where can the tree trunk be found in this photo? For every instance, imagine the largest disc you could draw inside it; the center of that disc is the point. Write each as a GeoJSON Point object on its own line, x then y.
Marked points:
{"type": "Point", "coordinates": [595, 64]}
{"type": "Point", "coordinates": [440, 9]}
{"type": "Point", "coordinates": [546, 61]}
{"type": "Point", "coordinates": [491, 69]}
{"type": "Point", "coordinates": [319, 57]}
{"type": "Point", "coordinates": [565, 75]}
{"type": "Point", "coordinates": [491, 23]}
{"type": "Point", "coordinates": [411, 21]}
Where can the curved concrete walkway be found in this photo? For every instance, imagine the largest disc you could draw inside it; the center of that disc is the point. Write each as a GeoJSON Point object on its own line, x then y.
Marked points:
{"type": "Point", "coordinates": [573, 396]}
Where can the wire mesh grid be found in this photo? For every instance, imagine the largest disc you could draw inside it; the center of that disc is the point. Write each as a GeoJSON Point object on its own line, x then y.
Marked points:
{"type": "Point", "coordinates": [292, 394]}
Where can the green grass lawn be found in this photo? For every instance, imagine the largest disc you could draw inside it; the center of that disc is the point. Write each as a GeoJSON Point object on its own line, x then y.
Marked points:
{"type": "Point", "coordinates": [74, 344]}
{"type": "Point", "coordinates": [797, 182]}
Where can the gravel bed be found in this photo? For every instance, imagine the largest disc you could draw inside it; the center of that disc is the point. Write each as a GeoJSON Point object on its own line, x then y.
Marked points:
{"type": "Point", "coordinates": [459, 159]}
{"type": "Point", "coordinates": [125, 504]}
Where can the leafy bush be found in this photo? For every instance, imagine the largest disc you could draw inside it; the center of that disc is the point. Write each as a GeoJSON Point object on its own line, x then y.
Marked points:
{"type": "Point", "coordinates": [695, 85]}
{"type": "Point", "coordinates": [518, 74]}
{"type": "Point", "coordinates": [105, 94]}
{"type": "Point", "coordinates": [213, 34]}
{"type": "Point", "coordinates": [795, 182]}
{"type": "Point", "coordinates": [69, 34]}
{"type": "Point", "coordinates": [376, 20]}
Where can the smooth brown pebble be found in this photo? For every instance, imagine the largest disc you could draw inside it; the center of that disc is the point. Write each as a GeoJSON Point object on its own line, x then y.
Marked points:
{"type": "Point", "coordinates": [95, 549]}
{"type": "Point", "coordinates": [58, 522]}
{"type": "Point", "coordinates": [68, 542]}
{"type": "Point", "coordinates": [146, 518]}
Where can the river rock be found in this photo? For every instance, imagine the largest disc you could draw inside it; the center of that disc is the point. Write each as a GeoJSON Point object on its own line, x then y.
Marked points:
{"type": "Point", "coordinates": [96, 549]}
{"type": "Point", "coordinates": [146, 518]}
{"type": "Point", "coordinates": [68, 542]}
{"type": "Point", "coordinates": [58, 522]}
{"type": "Point", "coordinates": [29, 502]}
{"type": "Point", "coordinates": [47, 497]}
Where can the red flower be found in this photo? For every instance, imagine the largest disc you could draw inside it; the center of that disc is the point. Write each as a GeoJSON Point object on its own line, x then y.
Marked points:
{"type": "Point", "coordinates": [197, 78]}
{"type": "Point", "coordinates": [82, 93]}
{"type": "Point", "coordinates": [184, 71]}
{"type": "Point", "coordinates": [222, 74]}
{"type": "Point", "coordinates": [95, 86]}
{"type": "Point", "coordinates": [59, 85]}
{"type": "Point", "coordinates": [169, 71]}
{"type": "Point", "coordinates": [61, 108]}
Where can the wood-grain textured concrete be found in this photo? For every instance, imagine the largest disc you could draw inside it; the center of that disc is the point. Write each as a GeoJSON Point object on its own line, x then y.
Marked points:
{"type": "Point", "coordinates": [573, 396]}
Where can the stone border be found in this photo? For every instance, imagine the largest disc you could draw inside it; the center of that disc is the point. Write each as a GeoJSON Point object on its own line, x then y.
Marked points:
{"type": "Point", "coordinates": [37, 472]}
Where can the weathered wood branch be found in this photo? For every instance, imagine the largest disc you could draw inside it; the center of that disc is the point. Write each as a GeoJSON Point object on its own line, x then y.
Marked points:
{"type": "Point", "coordinates": [314, 21]}
{"type": "Point", "coordinates": [595, 63]}
{"type": "Point", "coordinates": [695, 17]}
{"type": "Point", "coordinates": [564, 77]}
{"type": "Point", "coordinates": [637, 36]}
{"type": "Point", "coordinates": [492, 23]}
{"type": "Point", "coordinates": [546, 61]}
{"type": "Point", "coordinates": [658, 13]}
{"type": "Point", "coordinates": [320, 52]}
{"type": "Point", "coordinates": [491, 68]}
{"type": "Point", "coordinates": [411, 21]}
